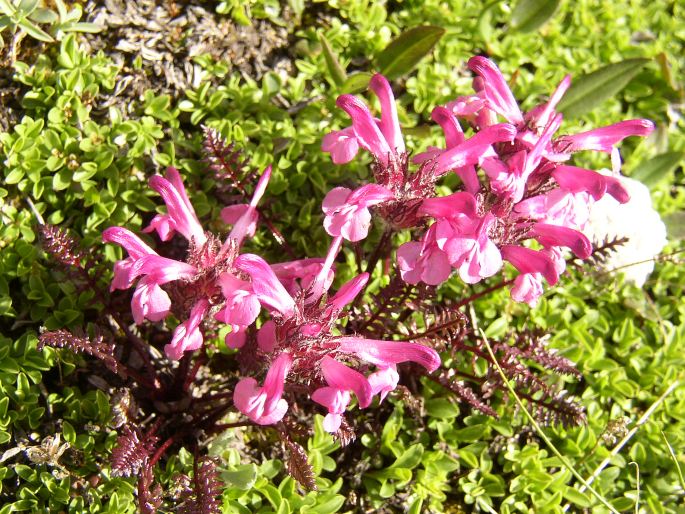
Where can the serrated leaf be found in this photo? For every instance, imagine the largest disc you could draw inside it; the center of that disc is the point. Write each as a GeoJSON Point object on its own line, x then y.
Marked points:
{"type": "Point", "coordinates": [356, 83]}
{"type": "Point", "coordinates": [529, 15]}
{"type": "Point", "coordinates": [404, 52]}
{"type": "Point", "coordinates": [653, 171]}
{"type": "Point", "coordinates": [590, 90]}
{"type": "Point", "coordinates": [334, 67]}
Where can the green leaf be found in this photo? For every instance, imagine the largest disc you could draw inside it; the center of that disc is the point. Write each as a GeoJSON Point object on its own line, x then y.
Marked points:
{"type": "Point", "coordinates": [43, 15]}
{"type": "Point", "coordinates": [403, 53]}
{"type": "Point", "coordinates": [576, 497]}
{"type": "Point", "coordinates": [356, 83]}
{"type": "Point", "coordinates": [675, 225]}
{"type": "Point", "coordinates": [35, 32]}
{"type": "Point", "coordinates": [334, 67]}
{"type": "Point", "coordinates": [410, 458]}
{"type": "Point", "coordinates": [529, 15]}
{"type": "Point", "coordinates": [589, 91]}
{"type": "Point", "coordinates": [243, 477]}
{"type": "Point", "coordinates": [657, 169]}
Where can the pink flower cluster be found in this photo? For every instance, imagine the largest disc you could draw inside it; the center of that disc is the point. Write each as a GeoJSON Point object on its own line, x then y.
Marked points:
{"type": "Point", "coordinates": [300, 339]}
{"type": "Point", "coordinates": [517, 186]}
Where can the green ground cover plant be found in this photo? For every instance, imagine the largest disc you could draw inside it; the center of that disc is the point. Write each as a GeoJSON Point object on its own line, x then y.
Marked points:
{"type": "Point", "coordinates": [87, 117]}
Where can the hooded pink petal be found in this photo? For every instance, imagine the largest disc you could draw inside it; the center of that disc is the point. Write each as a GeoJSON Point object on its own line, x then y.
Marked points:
{"type": "Point", "coordinates": [266, 285]}
{"type": "Point", "coordinates": [242, 304]}
{"type": "Point", "coordinates": [179, 209]}
{"type": "Point", "coordinates": [389, 124]}
{"type": "Point", "coordinates": [388, 353]}
{"type": "Point", "coordinates": [553, 235]}
{"type": "Point", "coordinates": [339, 376]}
{"type": "Point", "coordinates": [450, 206]}
{"type": "Point", "coordinates": [348, 291]}
{"type": "Point", "coordinates": [266, 336]}
{"type": "Point", "coordinates": [499, 96]}
{"type": "Point", "coordinates": [526, 260]}
{"type": "Point", "coordinates": [161, 269]}
{"type": "Point", "coordinates": [130, 242]}
{"type": "Point", "coordinates": [603, 139]}
{"type": "Point", "coordinates": [366, 129]}
{"type": "Point", "coordinates": [187, 336]}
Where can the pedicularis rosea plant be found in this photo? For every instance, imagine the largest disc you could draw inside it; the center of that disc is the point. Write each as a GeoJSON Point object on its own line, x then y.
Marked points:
{"type": "Point", "coordinates": [299, 342]}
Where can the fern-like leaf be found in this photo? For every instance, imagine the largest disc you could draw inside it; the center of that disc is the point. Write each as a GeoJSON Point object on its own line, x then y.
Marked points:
{"type": "Point", "coordinates": [131, 452]}
{"type": "Point", "coordinates": [206, 488]}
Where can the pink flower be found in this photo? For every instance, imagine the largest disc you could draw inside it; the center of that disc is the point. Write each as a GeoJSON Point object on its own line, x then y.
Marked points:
{"type": "Point", "coordinates": [528, 261]}
{"type": "Point", "coordinates": [265, 405]}
{"type": "Point", "coordinates": [495, 89]}
{"type": "Point", "coordinates": [384, 381]}
{"type": "Point", "coordinates": [187, 336]}
{"type": "Point", "coordinates": [382, 139]}
{"type": "Point", "coordinates": [181, 216]}
{"type": "Point", "coordinates": [341, 144]}
{"type": "Point", "coordinates": [527, 288]}
{"type": "Point", "coordinates": [578, 180]}
{"type": "Point", "coordinates": [472, 251]}
{"type": "Point", "coordinates": [136, 249]}
{"type": "Point", "coordinates": [385, 354]}
{"type": "Point", "coordinates": [423, 261]}
{"type": "Point", "coordinates": [347, 212]}
{"type": "Point", "coordinates": [552, 235]}
{"type": "Point", "coordinates": [299, 275]}
{"type": "Point", "coordinates": [265, 285]}
{"type": "Point", "coordinates": [605, 138]}
{"type": "Point", "coordinates": [240, 309]}
{"type": "Point", "coordinates": [336, 396]}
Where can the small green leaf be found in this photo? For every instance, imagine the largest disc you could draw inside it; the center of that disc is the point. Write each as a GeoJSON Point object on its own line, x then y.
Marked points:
{"type": "Point", "coordinates": [576, 497]}
{"type": "Point", "coordinates": [529, 15]}
{"type": "Point", "coordinates": [35, 32]}
{"type": "Point", "coordinates": [589, 91]}
{"type": "Point", "coordinates": [334, 67]}
{"type": "Point", "coordinates": [43, 15]}
{"type": "Point", "coordinates": [356, 83]}
{"type": "Point", "coordinates": [404, 52]}
{"type": "Point", "coordinates": [657, 169]}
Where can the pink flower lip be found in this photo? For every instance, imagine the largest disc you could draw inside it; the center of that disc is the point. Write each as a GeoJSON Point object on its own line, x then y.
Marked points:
{"type": "Point", "coordinates": [341, 377]}
{"type": "Point", "coordinates": [265, 405]}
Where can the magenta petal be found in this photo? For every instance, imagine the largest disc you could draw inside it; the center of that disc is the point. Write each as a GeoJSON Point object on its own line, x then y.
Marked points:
{"type": "Point", "coordinates": [231, 214]}
{"type": "Point", "coordinates": [163, 225]}
{"type": "Point", "coordinates": [349, 291]}
{"type": "Point", "coordinates": [149, 301]}
{"type": "Point", "coordinates": [407, 259]}
{"type": "Point", "coordinates": [450, 126]}
{"type": "Point", "coordinates": [182, 214]}
{"type": "Point", "coordinates": [236, 337]}
{"type": "Point", "coordinates": [275, 380]}
{"type": "Point", "coordinates": [497, 92]}
{"type": "Point", "coordinates": [356, 227]}
{"type": "Point", "coordinates": [436, 268]}
{"type": "Point", "coordinates": [368, 134]}
{"type": "Point", "coordinates": [174, 177]}
{"type": "Point", "coordinates": [390, 124]}
{"type": "Point", "coordinates": [603, 139]}
{"type": "Point", "coordinates": [370, 194]}
{"type": "Point", "coordinates": [162, 270]}
{"type": "Point", "coordinates": [341, 144]}
{"type": "Point", "coordinates": [130, 242]}
{"type": "Point", "coordinates": [389, 353]}
{"type": "Point", "coordinates": [579, 179]}
{"type": "Point", "coordinates": [527, 288]}
{"type": "Point", "coordinates": [335, 199]}
{"type": "Point", "coordinates": [187, 336]}
{"type": "Point", "coordinates": [339, 376]}
{"type": "Point", "coordinates": [450, 206]}
{"type": "Point", "coordinates": [553, 235]}
{"type": "Point", "coordinates": [526, 260]}
{"type": "Point", "coordinates": [472, 150]}
{"type": "Point", "coordinates": [266, 285]}
{"type": "Point", "coordinates": [266, 336]}
{"type": "Point", "coordinates": [616, 189]}
{"type": "Point", "coordinates": [260, 189]}
{"type": "Point", "coordinates": [242, 304]}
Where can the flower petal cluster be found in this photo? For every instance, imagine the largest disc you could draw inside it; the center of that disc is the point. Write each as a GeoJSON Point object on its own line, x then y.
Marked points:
{"type": "Point", "coordinates": [207, 281]}
{"type": "Point", "coordinates": [303, 327]}
{"type": "Point", "coordinates": [521, 201]}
